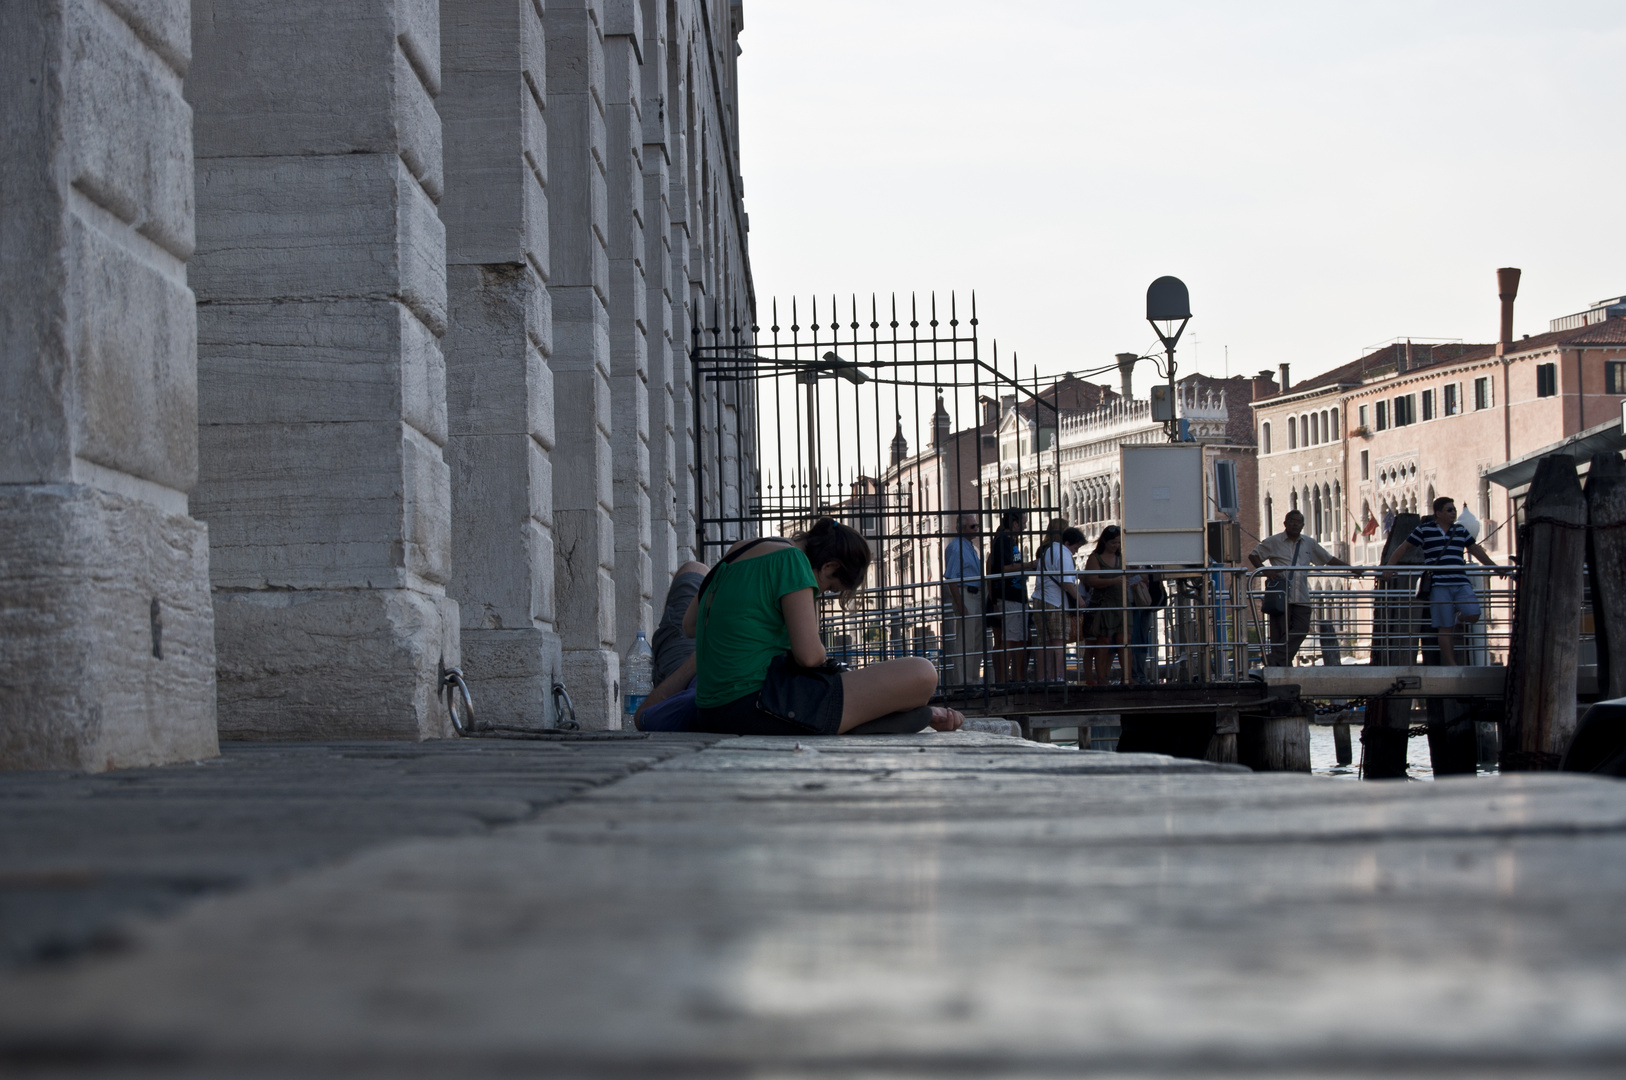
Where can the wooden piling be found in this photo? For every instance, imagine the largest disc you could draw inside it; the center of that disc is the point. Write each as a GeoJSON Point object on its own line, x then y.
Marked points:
{"type": "Point", "coordinates": [1540, 705]}
{"type": "Point", "coordinates": [1222, 746]}
{"type": "Point", "coordinates": [1606, 562]}
{"type": "Point", "coordinates": [1341, 744]}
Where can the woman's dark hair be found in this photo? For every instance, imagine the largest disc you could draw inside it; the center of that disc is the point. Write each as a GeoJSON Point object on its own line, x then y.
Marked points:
{"type": "Point", "coordinates": [830, 541]}
{"type": "Point", "coordinates": [1073, 537]}
{"type": "Point", "coordinates": [1110, 533]}
{"type": "Point", "coordinates": [1011, 516]}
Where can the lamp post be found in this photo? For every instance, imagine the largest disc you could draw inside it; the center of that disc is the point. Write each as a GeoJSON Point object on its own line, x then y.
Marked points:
{"type": "Point", "coordinates": [1168, 303]}
{"type": "Point", "coordinates": [832, 366]}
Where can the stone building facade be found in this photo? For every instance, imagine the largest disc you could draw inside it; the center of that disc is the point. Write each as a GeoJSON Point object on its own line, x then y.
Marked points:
{"type": "Point", "coordinates": [1073, 469]}
{"type": "Point", "coordinates": [1413, 420]}
{"type": "Point", "coordinates": [345, 344]}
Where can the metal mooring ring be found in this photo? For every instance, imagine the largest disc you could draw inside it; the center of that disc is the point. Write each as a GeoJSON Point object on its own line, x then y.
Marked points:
{"type": "Point", "coordinates": [461, 713]}
{"type": "Point", "coordinates": [560, 694]}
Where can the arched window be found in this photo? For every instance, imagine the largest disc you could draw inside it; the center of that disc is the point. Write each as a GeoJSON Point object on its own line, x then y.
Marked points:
{"type": "Point", "coordinates": [1117, 502]}
{"type": "Point", "coordinates": [1430, 502]}
{"type": "Point", "coordinates": [1315, 513]}
{"type": "Point", "coordinates": [1264, 436]}
{"type": "Point", "coordinates": [1292, 501]}
{"type": "Point", "coordinates": [1337, 503]}
{"type": "Point", "coordinates": [1270, 513]}
{"type": "Point", "coordinates": [1337, 424]}
{"type": "Point", "coordinates": [1307, 425]}
{"type": "Point", "coordinates": [1292, 433]}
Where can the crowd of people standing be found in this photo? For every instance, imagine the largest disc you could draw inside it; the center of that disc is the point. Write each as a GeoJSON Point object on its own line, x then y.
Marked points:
{"type": "Point", "coordinates": [1093, 603]}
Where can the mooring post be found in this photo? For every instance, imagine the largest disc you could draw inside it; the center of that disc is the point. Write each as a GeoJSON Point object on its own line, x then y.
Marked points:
{"type": "Point", "coordinates": [1222, 747]}
{"type": "Point", "coordinates": [1340, 741]}
{"type": "Point", "coordinates": [1540, 717]}
{"type": "Point", "coordinates": [1606, 560]}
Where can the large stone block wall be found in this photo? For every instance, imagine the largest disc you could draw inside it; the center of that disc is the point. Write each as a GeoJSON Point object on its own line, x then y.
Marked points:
{"type": "Point", "coordinates": [583, 491]}
{"type": "Point", "coordinates": [106, 633]}
{"type": "Point", "coordinates": [625, 67]}
{"type": "Point", "coordinates": [500, 387]}
{"type": "Point", "coordinates": [423, 382]}
{"type": "Point", "coordinates": [321, 284]}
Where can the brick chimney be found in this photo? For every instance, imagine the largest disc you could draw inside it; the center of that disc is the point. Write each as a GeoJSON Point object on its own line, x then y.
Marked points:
{"type": "Point", "coordinates": [1126, 374]}
{"type": "Point", "coordinates": [1285, 382]}
{"type": "Point", "coordinates": [1507, 287]}
{"type": "Point", "coordinates": [1263, 385]}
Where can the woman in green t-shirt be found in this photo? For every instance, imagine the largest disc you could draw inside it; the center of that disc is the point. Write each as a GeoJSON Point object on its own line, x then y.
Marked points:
{"type": "Point", "coordinates": [761, 605]}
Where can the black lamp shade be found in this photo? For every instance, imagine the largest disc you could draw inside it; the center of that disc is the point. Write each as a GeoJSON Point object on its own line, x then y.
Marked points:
{"type": "Point", "coordinates": [1167, 300]}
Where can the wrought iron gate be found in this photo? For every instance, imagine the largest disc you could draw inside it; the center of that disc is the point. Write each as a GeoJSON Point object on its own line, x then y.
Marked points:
{"type": "Point", "coordinates": [890, 420]}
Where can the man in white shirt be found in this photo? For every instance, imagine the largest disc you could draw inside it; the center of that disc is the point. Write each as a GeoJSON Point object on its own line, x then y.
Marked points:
{"type": "Point", "coordinates": [1291, 547]}
{"type": "Point", "coordinates": [962, 580]}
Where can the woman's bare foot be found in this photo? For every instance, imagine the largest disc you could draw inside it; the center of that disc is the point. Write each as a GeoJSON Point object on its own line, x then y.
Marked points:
{"type": "Point", "coordinates": [947, 719]}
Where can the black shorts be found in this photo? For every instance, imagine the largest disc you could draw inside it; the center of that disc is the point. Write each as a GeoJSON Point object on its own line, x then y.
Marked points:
{"type": "Point", "coordinates": [741, 717]}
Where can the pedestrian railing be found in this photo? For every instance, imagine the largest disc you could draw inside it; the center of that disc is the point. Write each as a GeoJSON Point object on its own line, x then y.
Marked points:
{"type": "Point", "coordinates": [1209, 627]}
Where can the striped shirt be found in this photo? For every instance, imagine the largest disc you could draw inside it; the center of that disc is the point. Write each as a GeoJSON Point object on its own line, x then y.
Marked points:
{"type": "Point", "coordinates": [1442, 549]}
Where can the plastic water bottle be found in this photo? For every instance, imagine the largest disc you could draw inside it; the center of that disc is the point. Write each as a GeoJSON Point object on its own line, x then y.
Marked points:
{"type": "Point", "coordinates": [637, 679]}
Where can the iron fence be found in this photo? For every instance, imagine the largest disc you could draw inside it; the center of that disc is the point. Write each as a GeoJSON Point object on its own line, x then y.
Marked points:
{"type": "Point", "coordinates": [892, 418]}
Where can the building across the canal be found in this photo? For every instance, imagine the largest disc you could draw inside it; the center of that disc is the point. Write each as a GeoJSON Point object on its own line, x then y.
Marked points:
{"type": "Point", "coordinates": [1415, 419]}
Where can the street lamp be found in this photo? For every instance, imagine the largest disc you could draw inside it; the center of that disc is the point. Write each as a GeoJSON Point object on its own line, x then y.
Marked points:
{"type": "Point", "coordinates": [1168, 303]}
{"type": "Point", "coordinates": [833, 366]}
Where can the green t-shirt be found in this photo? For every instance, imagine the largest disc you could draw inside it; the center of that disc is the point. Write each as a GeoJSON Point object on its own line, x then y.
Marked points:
{"type": "Point", "coordinates": [745, 629]}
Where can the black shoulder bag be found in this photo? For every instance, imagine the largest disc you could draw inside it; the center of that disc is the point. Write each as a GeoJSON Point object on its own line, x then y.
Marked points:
{"type": "Point", "coordinates": [804, 697]}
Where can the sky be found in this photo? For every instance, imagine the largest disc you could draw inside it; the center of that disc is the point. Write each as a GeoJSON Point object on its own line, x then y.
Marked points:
{"type": "Point", "coordinates": [1322, 176]}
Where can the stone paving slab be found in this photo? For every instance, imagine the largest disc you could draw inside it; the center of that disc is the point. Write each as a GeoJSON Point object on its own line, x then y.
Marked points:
{"type": "Point", "coordinates": [78, 852]}
{"type": "Point", "coordinates": [823, 921]}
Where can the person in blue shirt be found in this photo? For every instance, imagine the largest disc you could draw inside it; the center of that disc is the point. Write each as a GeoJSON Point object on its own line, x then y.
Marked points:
{"type": "Point", "coordinates": [1454, 606]}
{"type": "Point", "coordinates": [962, 581]}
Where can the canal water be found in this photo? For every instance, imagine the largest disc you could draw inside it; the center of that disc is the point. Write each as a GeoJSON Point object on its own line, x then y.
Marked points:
{"type": "Point", "coordinates": [1324, 755]}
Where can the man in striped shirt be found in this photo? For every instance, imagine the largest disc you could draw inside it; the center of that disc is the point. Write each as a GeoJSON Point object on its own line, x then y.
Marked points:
{"type": "Point", "coordinates": [1452, 601]}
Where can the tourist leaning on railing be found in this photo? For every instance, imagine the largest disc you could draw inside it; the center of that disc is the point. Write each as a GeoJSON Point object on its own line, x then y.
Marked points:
{"type": "Point", "coordinates": [762, 667]}
{"type": "Point", "coordinates": [1290, 547]}
{"type": "Point", "coordinates": [1453, 605]}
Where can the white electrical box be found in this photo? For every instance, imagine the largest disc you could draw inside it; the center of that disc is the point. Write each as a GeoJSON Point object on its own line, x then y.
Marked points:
{"type": "Point", "coordinates": [1165, 502]}
{"type": "Point", "coordinates": [1162, 402]}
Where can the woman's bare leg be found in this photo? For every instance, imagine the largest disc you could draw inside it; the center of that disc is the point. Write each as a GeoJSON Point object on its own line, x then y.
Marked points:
{"type": "Point", "coordinates": [892, 686]}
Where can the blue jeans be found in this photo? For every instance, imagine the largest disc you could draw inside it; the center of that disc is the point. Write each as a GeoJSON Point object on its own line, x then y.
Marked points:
{"type": "Point", "coordinates": [1140, 640]}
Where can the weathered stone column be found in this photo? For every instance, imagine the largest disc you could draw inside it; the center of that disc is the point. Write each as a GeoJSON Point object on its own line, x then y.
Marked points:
{"type": "Point", "coordinates": [629, 366]}
{"type": "Point", "coordinates": [321, 282]}
{"type": "Point", "coordinates": [659, 300]}
{"type": "Point", "coordinates": [106, 634]}
{"type": "Point", "coordinates": [680, 204]}
{"type": "Point", "coordinates": [500, 396]}
{"type": "Point", "coordinates": [584, 533]}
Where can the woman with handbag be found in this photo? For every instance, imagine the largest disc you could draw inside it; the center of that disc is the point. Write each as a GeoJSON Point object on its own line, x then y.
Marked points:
{"type": "Point", "coordinates": [762, 667]}
{"type": "Point", "coordinates": [1104, 621]}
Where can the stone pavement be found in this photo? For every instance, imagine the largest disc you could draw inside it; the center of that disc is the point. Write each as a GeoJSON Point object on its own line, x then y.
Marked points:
{"type": "Point", "coordinates": [889, 907]}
